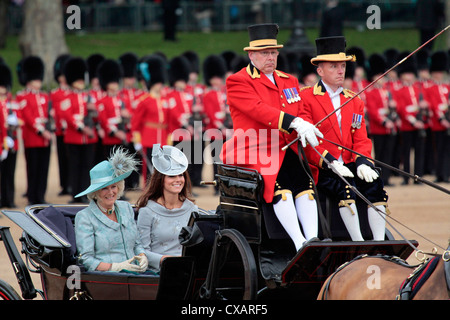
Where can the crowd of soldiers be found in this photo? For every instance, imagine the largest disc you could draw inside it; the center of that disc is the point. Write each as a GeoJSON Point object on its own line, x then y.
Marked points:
{"type": "Point", "coordinates": [136, 102]}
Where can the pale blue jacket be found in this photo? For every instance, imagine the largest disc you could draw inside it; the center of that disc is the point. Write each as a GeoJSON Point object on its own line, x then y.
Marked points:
{"type": "Point", "coordinates": [100, 239]}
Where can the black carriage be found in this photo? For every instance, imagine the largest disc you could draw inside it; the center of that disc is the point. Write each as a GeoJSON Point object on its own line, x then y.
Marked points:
{"type": "Point", "coordinates": [239, 251]}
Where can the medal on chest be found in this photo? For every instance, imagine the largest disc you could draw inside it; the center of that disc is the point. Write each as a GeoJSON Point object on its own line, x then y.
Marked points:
{"type": "Point", "coordinates": [356, 121]}
{"type": "Point", "coordinates": [291, 95]}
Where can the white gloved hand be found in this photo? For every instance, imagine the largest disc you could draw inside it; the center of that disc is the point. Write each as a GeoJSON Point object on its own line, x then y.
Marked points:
{"type": "Point", "coordinates": [10, 142]}
{"type": "Point", "coordinates": [4, 155]}
{"type": "Point", "coordinates": [341, 169]}
{"type": "Point", "coordinates": [366, 173]}
{"type": "Point", "coordinates": [137, 147]}
{"type": "Point", "coordinates": [142, 261]}
{"type": "Point", "coordinates": [306, 132]}
{"type": "Point", "coordinates": [127, 265]}
{"type": "Point", "coordinates": [12, 120]}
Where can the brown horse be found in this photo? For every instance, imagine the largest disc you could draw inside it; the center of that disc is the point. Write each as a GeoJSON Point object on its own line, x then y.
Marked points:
{"type": "Point", "coordinates": [380, 278]}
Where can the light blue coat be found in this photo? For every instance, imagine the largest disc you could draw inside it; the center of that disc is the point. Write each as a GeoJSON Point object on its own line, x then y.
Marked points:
{"type": "Point", "coordinates": [100, 239]}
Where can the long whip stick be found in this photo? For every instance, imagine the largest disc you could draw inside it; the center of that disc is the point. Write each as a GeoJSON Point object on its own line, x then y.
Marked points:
{"type": "Point", "coordinates": [371, 84]}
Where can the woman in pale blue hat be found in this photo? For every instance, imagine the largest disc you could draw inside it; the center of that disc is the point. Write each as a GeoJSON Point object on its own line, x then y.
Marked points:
{"type": "Point", "coordinates": [106, 233]}
{"type": "Point", "coordinates": [165, 206]}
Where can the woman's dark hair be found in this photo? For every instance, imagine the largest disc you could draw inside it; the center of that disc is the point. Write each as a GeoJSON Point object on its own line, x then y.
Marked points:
{"type": "Point", "coordinates": [155, 186]}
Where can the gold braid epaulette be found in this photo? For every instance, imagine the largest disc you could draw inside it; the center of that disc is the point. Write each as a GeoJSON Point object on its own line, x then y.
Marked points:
{"type": "Point", "coordinates": [303, 88]}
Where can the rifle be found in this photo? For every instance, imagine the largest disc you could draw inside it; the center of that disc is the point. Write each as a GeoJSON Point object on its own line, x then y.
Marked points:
{"type": "Point", "coordinates": [392, 114]}
{"type": "Point", "coordinates": [50, 124]}
{"type": "Point", "coordinates": [91, 114]}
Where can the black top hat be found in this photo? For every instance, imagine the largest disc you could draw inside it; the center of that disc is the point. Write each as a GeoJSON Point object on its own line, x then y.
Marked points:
{"type": "Point", "coordinates": [109, 71]}
{"type": "Point", "coordinates": [129, 62]}
{"type": "Point", "coordinates": [58, 67]}
{"type": "Point", "coordinates": [75, 69]}
{"type": "Point", "coordinates": [5, 76]}
{"type": "Point", "coordinates": [214, 66]}
{"type": "Point", "coordinates": [153, 70]}
{"type": "Point", "coordinates": [263, 36]}
{"type": "Point", "coordinates": [179, 69]}
{"type": "Point", "coordinates": [33, 69]}
{"type": "Point", "coordinates": [376, 65]}
{"type": "Point", "coordinates": [439, 61]}
{"type": "Point", "coordinates": [331, 49]}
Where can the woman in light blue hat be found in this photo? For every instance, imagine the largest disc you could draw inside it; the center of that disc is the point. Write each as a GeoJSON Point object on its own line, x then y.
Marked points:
{"type": "Point", "coordinates": [165, 206]}
{"type": "Point", "coordinates": [106, 233]}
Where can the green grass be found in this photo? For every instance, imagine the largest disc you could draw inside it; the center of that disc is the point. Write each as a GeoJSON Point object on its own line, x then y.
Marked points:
{"type": "Point", "coordinates": [112, 45]}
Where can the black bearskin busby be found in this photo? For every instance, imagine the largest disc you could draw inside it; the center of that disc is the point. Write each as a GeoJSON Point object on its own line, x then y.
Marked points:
{"type": "Point", "coordinates": [376, 66]}
{"type": "Point", "coordinates": [58, 67]}
{"type": "Point", "coordinates": [194, 60]}
{"type": "Point", "coordinates": [239, 62]}
{"type": "Point", "coordinates": [153, 70]}
{"type": "Point", "coordinates": [439, 61]}
{"type": "Point", "coordinates": [129, 62]}
{"type": "Point", "coordinates": [5, 76]}
{"type": "Point", "coordinates": [93, 61]}
{"type": "Point", "coordinates": [75, 69]}
{"type": "Point", "coordinates": [109, 71]}
{"type": "Point", "coordinates": [213, 66]}
{"type": "Point", "coordinates": [179, 69]}
{"type": "Point", "coordinates": [407, 66]}
{"type": "Point", "coordinates": [32, 69]}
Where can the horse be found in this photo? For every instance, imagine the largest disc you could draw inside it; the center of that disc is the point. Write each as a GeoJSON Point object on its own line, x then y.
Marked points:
{"type": "Point", "coordinates": [388, 278]}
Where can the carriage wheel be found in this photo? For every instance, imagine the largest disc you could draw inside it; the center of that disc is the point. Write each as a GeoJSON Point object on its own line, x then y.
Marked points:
{"type": "Point", "coordinates": [232, 272]}
{"type": "Point", "coordinates": [7, 292]}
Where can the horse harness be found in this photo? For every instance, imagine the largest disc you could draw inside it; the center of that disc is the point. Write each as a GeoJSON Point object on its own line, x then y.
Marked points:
{"type": "Point", "coordinates": [415, 280]}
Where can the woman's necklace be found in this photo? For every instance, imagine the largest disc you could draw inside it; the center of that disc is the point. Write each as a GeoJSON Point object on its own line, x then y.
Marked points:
{"type": "Point", "coordinates": [105, 211]}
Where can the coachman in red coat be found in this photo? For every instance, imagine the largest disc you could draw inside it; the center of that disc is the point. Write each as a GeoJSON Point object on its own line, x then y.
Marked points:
{"type": "Point", "coordinates": [346, 127]}
{"type": "Point", "coordinates": [264, 104]}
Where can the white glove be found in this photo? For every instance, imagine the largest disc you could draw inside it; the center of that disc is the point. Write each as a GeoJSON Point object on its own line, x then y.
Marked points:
{"type": "Point", "coordinates": [142, 261]}
{"type": "Point", "coordinates": [10, 142]}
{"type": "Point", "coordinates": [12, 120]}
{"type": "Point", "coordinates": [341, 169]}
{"type": "Point", "coordinates": [127, 265]}
{"type": "Point", "coordinates": [4, 155]}
{"type": "Point", "coordinates": [138, 147]}
{"type": "Point", "coordinates": [366, 173]}
{"type": "Point", "coordinates": [306, 132]}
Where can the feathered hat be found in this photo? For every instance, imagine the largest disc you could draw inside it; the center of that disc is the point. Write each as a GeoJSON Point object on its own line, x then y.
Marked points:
{"type": "Point", "coordinates": [118, 167]}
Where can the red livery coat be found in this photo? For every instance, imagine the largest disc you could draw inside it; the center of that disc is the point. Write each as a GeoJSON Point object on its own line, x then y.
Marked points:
{"type": "Point", "coordinates": [261, 114]}
{"type": "Point", "coordinates": [316, 105]}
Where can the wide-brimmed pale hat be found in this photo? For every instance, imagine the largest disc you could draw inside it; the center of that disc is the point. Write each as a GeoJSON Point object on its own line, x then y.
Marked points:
{"type": "Point", "coordinates": [117, 168]}
{"type": "Point", "coordinates": [331, 49]}
{"type": "Point", "coordinates": [263, 36]}
{"type": "Point", "coordinates": [169, 160]}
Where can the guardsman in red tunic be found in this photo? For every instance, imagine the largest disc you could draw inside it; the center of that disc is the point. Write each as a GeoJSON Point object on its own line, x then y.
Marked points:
{"type": "Point", "coordinates": [149, 123]}
{"type": "Point", "coordinates": [346, 127]}
{"type": "Point", "coordinates": [438, 95]}
{"type": "Point", "coordinates": [412, 109]}
{"type": "Point", "coordinates": [264, 104]}
{"type": "Point", "coordinates": [81, 136]}
{"type": "Point", "coordinates": [113, 116]}
{"type": "Point", "coordinates": [9, 124]}
{"type": "Point", "coordinates": [383, 117]}
{"type": "Point", "coordinates": [56, 96]}
{"type": "Point", "coordinates": [36, 130]}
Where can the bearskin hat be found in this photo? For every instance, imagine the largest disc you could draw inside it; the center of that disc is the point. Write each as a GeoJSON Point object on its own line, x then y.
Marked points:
{"type": "Point", "coordinates": [376, 65]}
{"type": "Point", "coordinates": [391, 56]}
{"type": "Point", "coordinates": [359, 54]}
{"type": "Point", "coordinates": [179, 69]}
{"type": "Point", "coordinates": [239, 62]}
{"type": "Point", "coordinates": [213, 66]}
{"type": "Point", "coordinates": [5, 76]}
{"type": "Point", "coordinates": [407, 66]}
{"type": "Point", "coordinates": [306, 67]}
{"type": "Point", "coordinates": [423, 60]}
{"type": "Point", "coordinates": [93, 61]}
{"type": "Point", "coordinates": [282, 62]}
{"type": "Point", "coordinates": [129, 62]}
{"type": "Point", "coordinates": [439, 61]}
{"type": "Point", "coordinates": [153, 70]}
{"type": "Point", "coordinates": [109, 71]}
{"type": "Point", "coordinates": [193, 60]}
{"type": "Point", "coordinates": [75, 69]}
{"type": "Point", "coordinates": [33, 69]}
{"type": "Point", "coordinates": [19, 71]}
{"type": "Point", "coordinates": [58, 67]}
{"type": "Point", "coordinates": [228, 56]}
